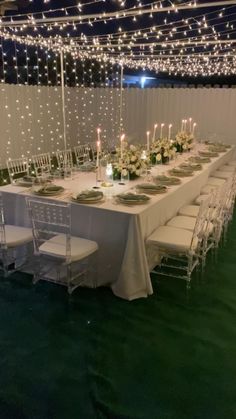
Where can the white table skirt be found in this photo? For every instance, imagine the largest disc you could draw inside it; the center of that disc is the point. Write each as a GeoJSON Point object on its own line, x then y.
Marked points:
{"type": "Point", "coordinates": [119, 230]}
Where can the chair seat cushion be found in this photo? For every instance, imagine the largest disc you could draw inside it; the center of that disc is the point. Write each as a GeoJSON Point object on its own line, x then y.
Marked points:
{"type": "Point", "coordinates": [169, 238]}
{"type": "Point", "coordinates": [215, 181]}
{"type": "Point", "coordinates": [232, 163]}
{"type": "Point", "coordinates": [80, 248]}
{"type": "Point", "coordinates": [188, 223]}
{"type": "Point", "coordinates": [182, 221]}
{"type": "Point", "coordinates": [222, 175]}
{"type": "Point", "coordinates": [189, 210]}
{"type": "Point", "coordinates": [208, 189]}
{"type": "Point", "coordinates": [227, 168]}
{"type": "Point", "coordinates": [200, 199]}
{"type": "Point", "coordinates": [17, 236]}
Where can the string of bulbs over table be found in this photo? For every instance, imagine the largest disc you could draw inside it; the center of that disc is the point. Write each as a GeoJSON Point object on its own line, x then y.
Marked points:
{"type": "Point", "coordinates": [195, 38]}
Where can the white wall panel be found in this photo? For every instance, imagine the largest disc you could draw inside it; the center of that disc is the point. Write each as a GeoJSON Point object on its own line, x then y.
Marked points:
{"type": "Point", "coordinates": [31, 116]}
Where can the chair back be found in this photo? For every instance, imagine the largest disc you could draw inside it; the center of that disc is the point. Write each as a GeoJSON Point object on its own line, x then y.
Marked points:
{"type": "Point", "coordinates": [200, 225]}
{"type": "Point", "coordinates": [49, 220]}
{"type": "Point", "coordinates": [17, 167]}
{"type": "Point", "coordinates": [2, 226]}
{"type": "Point", "coordinates": [81, 154]}
{"type": "Point", "coordinates": [65, 159]}
{"type": "Point", "coordinates": [42, 163]}
{"type": "Point", "coordinates": [92, 151]}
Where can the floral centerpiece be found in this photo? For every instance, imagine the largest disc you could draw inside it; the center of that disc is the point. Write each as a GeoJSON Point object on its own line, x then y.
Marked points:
{"type": "Point", "coordinates": [183, 141]}
{"type": "Point", "coordinates": [130, 160]}
{"type": "Point", "coordinates": [161, 151]}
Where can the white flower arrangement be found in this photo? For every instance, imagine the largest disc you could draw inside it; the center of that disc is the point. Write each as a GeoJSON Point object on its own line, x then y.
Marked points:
{"type": "Point", "coordinates": [132, 161]}
{"type": "Point", "coordinates": [162, 149]}
{"type": "Point", "coordinates": [184, 141]}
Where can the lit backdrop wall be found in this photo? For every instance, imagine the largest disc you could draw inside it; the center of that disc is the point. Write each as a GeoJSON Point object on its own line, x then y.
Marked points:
{"type": "Point", "coordinates": [32, 122]}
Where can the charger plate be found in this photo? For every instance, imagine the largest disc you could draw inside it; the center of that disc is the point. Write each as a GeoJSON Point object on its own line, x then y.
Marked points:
{"type": "Point", "coordinates": [199, 159]}
{"type": "Point", "coordinates": [181, 172]}
{"type": "Point", "coordinates": [88, 197]}
{"type": "Point", "coordinates": [150, 188]}
{"type": "Point", "coordinates": [166, 180]}
{"type": "Point", "coordinates": [208, 154]}
{"type": "Point", "coordinates": [132, 199]}
{"type": "Point", "coordinates": [50, 190]}
{"type": "Point", "coordinates": [192, 166]}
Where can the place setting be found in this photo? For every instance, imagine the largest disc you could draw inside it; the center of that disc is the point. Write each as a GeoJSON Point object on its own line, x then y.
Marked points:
{"type": "Point", "coordinates": [48, 190]}
{"type": "Point", "coordinates": [88, 197]}
{"type": "Point", "coordinates": [130, 199]}
{"type": "Point", "coordinates": [167, 180]}
{"type": "Point", "coordinates": [181, 172]}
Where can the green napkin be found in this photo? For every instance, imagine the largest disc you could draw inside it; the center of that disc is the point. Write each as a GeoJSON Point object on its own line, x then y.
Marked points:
{"type": "Point", "coordinates": [133, 197]}
{"type": "Point", "coordinates": [89, 194]}
{"type": "Point", "coordinates": [151, 186]}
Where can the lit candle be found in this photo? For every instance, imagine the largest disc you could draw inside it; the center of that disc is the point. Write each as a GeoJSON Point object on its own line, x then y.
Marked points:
{"type": "Point", "coordinates": [190, 124]}
{"type": "Point", "coordinates": [182, 125]}
{"type": "Point", "coordinates": [162, 126]}
{"type": "Point", "coordinates": [194, 126]}
{"type": "Point", "coordinates": [169, 135]}
{"type": "Point", "coordinates": [98, 151]}
{"type": "Point", "coordinates": [185, 125]}
{"type": "Point", "coordinates": [98, 132]}
{"type": "Point", "coordinates": [154, 132]}
{"type": "Point", "coordinates": [148, 140]}
{"type": "Point", "coordinates": [121, 145]}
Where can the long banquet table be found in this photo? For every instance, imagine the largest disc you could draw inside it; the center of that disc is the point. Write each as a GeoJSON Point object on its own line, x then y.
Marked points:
{"type": "Point", "coordinates": [119, 230]}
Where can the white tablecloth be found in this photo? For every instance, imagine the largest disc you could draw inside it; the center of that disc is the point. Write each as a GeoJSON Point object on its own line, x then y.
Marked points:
{"type": "Point", "coordinates": [119, 230]}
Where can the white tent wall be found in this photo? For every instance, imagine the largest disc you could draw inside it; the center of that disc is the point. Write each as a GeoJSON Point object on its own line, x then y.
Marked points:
{"type": "Point", "coordinates": [31, 116]}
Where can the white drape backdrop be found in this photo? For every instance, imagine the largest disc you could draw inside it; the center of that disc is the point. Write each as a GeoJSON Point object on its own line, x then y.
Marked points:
{"type": "Point", "coordinates": [31, 116]}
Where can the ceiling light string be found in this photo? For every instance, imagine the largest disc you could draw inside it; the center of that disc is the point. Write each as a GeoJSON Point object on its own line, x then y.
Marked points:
{"type": "Point", "coordinates": [92, 18]}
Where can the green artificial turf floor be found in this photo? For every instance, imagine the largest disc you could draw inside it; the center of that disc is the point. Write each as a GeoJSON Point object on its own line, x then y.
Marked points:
{"type": "Point", "coordinates": [94, 356]}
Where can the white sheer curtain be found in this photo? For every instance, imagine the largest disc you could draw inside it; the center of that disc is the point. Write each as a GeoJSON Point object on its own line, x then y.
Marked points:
{"type": "Point", "coordinates": [31, 116]}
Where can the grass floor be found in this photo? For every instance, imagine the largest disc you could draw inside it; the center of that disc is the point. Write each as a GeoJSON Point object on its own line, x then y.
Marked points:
{"type": "Point", "coordinates": [94, 356]}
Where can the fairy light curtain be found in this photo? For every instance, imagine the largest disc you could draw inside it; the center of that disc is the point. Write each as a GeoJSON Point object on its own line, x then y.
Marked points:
{"type": "Point", "coordinates": [199, 42]}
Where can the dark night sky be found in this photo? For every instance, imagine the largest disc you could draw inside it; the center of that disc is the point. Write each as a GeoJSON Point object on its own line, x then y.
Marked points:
{"type": "Point", "coordinates": [126, 24]}
{"type": "Point", "coordinates": [111, 5]}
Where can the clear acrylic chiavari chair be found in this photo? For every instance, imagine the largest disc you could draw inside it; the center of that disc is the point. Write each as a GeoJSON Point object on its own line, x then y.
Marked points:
{"type": "Point", "coordinates": [42, 164]}
{"type": "Point", "coordinates": [65, 162]}
{"type": "Point", "coordinates": [180, 251]}
{"type": "Point", "coordinates": [17, 167]}
{"type": "Point", "coordinates": [60, 257]}
{"type": "Point", "coordinates": [14, 244]}
{"type": "Point", "coordinates": [81, 154]}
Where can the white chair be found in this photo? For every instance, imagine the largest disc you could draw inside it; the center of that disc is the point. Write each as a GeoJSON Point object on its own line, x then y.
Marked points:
{"type": "Point", "coordinates": [64, 159]}
{"type": "Point", "coordinates": [17, 167]}
{"type": "Point", "coordinates": [42, 163]}
{"type": "Point", "coordinates": [215, 181]}
{"type": "Point", "coordinates": [12, 238]}
{"type": "Point", "coordinates": [207, 189]}
{"type": "Point", "coordinates": [173, 244]}
{"type": "Point", "coordinates": [61, 257]}
{"type": "Point", "coordinates": [92, 151]}
{"type": "Point", "coordinates": [227, 168]}
{"type": "Point", "coordinates": [222, 175]}
{"type": "Point", "coordinates": [232, 163]}
{"type": "Point", "coordinates": [189, 210]}
{"type": "Point", "coordinates": [81, 154]}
